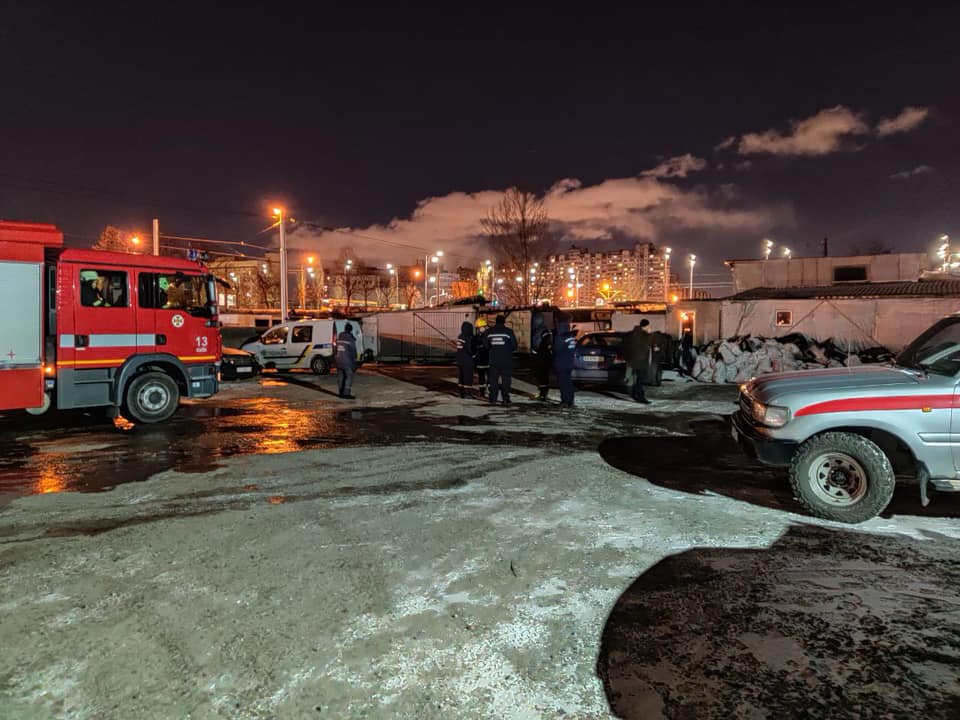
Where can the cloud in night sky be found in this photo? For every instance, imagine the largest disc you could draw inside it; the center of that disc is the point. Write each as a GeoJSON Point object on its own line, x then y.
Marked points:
{"type": "Point", "coordinates": [907, 174]}
{"type": "Point", "coordinates": [826, 132]}
{"type": "Point", "coordinates": [830, 130]}
{"type": "Point", "coordinates": [679, 166]}
{"type": "Point", "coordinates": [617, 211]}
{"type": "Point", "coordinates": [904, 122]}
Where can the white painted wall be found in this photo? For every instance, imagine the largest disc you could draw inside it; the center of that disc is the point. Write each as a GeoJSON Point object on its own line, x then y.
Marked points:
{"type": "Point", "coordinates": [854, 323]}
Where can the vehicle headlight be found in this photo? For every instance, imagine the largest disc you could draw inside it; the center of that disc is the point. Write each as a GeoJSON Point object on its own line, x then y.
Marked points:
{"type": "Point", "coordinates": [770, 415]}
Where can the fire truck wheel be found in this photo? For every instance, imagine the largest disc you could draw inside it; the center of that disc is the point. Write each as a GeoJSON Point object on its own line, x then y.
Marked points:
{"type": "Point", "coordinates": [320, 365]}
{"type": "Point", "coordinates": [151, 397]}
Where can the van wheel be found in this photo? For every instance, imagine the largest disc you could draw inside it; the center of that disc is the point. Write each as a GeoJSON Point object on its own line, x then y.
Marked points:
{"type": "Point", "coordinates": [842, 476]}
{"type": "Point", "coordinates": [151, 397]}
{"type": "Point", "coordinates": [320, 365]}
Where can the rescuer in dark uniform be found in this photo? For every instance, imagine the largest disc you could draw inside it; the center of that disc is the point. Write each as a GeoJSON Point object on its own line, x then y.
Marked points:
{"type": "Point", "coordinates": [541, 348]}
{"type": "Point", "coordinates": [346, 360]}
{"type": "Point", "coordinates": [482, 358]}
{"type": "Point", "coordinates": [563, 348]}
{"type": "Point", "coordinates": [501, 342]}
{"type": "Point", "coordinates": [464, 358]}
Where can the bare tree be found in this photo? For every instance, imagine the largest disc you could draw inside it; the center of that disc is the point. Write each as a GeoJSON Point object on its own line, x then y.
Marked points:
{"type": "Point", "coordinates": [349, 275]}
{"type": "Point", "coordinates": [518, 231]}
{"type": "Point", "coordinates": [115, 240]}
{"type": "Point", "coordinates": [266, 285]}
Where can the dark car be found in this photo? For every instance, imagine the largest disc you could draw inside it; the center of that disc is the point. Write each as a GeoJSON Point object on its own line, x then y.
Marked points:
{"type": "Point", "coordinates": [236, 364]}
{"type": "Point", "coordinates": [599, 359]}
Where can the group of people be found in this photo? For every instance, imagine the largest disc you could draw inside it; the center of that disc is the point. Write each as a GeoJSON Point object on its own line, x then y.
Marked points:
{"type": "Point", "coordinates": [488, 352]}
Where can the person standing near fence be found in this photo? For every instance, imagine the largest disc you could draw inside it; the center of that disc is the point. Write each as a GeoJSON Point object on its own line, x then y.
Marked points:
{"type": "Point", "coordinates": [482, 358]}
{"type": "Point", "coordinates": [465, 343]}
{"type": "Point", "coordinates": [563, 348]}
{"type": "Point", "coordinates": [541, 348]}
{"type": "Point", "coordinates": [501, 343]}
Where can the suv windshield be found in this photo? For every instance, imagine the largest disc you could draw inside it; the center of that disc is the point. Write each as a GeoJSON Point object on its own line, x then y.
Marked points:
{"type": "Point", "coordinates": [937, 350]}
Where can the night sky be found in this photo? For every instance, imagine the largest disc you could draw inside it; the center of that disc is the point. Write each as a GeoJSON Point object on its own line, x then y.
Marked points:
{"type": "Point", "coordinates": [202, 117]}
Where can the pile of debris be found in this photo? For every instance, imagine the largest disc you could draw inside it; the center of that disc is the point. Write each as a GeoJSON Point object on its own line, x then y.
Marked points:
{"type": "Point", "coordinates": [738, 359]}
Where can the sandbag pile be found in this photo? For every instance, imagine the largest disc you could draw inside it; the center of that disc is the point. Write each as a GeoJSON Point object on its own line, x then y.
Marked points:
{"type": "Point", "coordinates": [738, 359]}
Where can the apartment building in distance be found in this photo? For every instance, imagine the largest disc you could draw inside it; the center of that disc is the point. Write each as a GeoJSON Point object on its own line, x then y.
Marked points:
{"type": "Point", "coordinates": [579, 277]}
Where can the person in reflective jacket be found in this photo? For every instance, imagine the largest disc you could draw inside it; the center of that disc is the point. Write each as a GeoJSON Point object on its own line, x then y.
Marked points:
{"type": "Point", "coordinates": [346, 360]}
{"type": "Point", "coordinates": [501, 344]}
{"type": "Point", "coordinates": [563, 347]}
{"type": "Point", "coordinates": [541, 349]}
{"type": "Point", "coordinates": [464, 358]}
{"type": "Point", "coordinates": [482, 358]}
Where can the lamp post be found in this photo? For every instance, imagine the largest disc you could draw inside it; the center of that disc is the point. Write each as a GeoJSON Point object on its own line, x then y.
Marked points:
{"type": "Point", "coordinates": [787, 252]}
{"type": "Point", "coordinates": [693, 261]}
{"type": "Point", "coordinates": [278, 212]}
{"type": "Point", "coordinates": [426, 274]}
{"type": "Point", "coordinates": [393, 276]}
{"type": "Point", "coordinates": [666, 273]}
{"type": "Point", "coordinates": [767, 248]}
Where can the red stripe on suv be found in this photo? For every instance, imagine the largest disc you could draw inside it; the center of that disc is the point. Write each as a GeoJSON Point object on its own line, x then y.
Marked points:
{"type": "Point", "coordinates": [896, 402]}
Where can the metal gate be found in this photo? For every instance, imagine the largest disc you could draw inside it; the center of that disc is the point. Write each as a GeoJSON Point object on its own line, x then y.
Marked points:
{"type": "Point", "coordinates": [435, 334]}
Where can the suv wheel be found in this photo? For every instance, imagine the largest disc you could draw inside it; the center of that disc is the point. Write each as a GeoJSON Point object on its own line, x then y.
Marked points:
{"type": "Point", "coordinates": [320, 365]}
{"type": "Point", "coordinates": [842, 476]}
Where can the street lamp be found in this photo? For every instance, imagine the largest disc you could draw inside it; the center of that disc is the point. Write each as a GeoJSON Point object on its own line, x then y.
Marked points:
{"type": "Point", "coordinates": [393, 276]}
{"type": "Point", "coordinates": [135, 241]}
{"type": "Point", "coordinates": [944, 252]}
{"type": "Point", "coordinates": [693, 261]}
{"type": "Point", "coordinates": [787, 252]}
{"type": "Point", "coordinates": [278, 213]}
{"type": "Point", "coordinates": [666, 272]}
{"type": "Point", "coordinates": [767, 248]}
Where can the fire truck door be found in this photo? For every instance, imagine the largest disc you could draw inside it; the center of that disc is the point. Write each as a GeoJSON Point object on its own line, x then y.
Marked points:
{"type": "Point", "coordinates": [105, 321]}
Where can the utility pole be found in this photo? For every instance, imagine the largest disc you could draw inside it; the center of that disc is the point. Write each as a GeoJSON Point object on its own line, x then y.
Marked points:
{"type": "Point", "coordinates": [156, 236]}
{"type": "Point", "coordinates": [278, 211]}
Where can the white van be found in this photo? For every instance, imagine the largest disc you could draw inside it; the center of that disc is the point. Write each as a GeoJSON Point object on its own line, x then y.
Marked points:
{"type": "Point", "coordinates": [303, 345]}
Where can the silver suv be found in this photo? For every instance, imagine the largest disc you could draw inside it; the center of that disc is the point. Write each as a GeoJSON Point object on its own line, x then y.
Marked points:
{"type": "Point", "coordinates": [847, 433]}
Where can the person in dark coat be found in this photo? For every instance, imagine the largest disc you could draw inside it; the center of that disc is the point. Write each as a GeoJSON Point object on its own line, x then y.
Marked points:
{"type": "Point", "coordinates": [563, 346]}
{"type": "Point", "coordinates": [541, 348]}
{"type": "Point", "coordinates": [501, 344]}
{"type": "Point", "coordinates": [481, 359]}
{"type": "Point", "coordinates": [464, 358]}
{"type": "Point", "coordinates": [638, 347]}
{"type": "Point", "coordinates": [346, 360]}
{"type": "Point", "coordinates": [687, 358]}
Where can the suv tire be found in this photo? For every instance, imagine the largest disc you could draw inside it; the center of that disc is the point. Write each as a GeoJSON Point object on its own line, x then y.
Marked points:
{"type": "Point", "coordinates": [320, 365]}
{"type": "Point", "coordinates": [842, 476]}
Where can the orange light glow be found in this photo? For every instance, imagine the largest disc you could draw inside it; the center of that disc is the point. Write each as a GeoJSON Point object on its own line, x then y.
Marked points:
{"type": "Point", "coordinates": [416, 273]}
{"type": "Point", "coordinates": [674, 298]}
{"type": "Point", "coordinates": [135, 240]}
{"type": "Point", "coordinates": [606, 286]}
{"type": "Point", "coordinates": [310, 259]}
{"type": "Point", "coordinates": [277, 211]}
{"type": "Point", "coordinates": [569, 293]}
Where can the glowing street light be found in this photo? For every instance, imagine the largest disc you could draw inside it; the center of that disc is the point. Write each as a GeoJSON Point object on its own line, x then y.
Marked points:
{"type": "Point", "coordinates": [666, 272]}
{"type": "Point", "coordinates": [693, 261]}
{"type": "Point", "coordinates": [767, 248]}
{"type": "Point", "coordinates": [787, 252]}
{"type": "Point", "coordinates": [278, 213]}
{"type": "Point", "coordinates": [135, 240]}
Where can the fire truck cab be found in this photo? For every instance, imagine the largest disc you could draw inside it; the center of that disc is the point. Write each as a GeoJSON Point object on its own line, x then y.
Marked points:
{"type": "Point", "coordinates": [90, 328]}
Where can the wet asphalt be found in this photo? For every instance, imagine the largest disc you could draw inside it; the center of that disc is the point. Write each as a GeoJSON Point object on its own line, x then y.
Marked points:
{"type": "Point", "coordinates": [813, 627]}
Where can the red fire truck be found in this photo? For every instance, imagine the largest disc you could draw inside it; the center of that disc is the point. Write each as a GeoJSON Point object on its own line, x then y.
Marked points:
{"type": "Point", "coordinates": [88, 328]}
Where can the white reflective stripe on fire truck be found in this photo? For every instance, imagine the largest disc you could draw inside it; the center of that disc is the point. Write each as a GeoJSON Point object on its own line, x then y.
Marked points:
{"type": "Point", "coordinates": [102, 340]}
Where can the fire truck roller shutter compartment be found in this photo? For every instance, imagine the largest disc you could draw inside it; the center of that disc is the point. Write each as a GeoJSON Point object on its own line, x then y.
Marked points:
{"type": "Point", "coordinates": [21, 329]}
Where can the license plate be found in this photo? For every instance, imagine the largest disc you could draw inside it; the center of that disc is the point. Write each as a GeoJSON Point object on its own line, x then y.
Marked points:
{"type": "Point", "coordinates": [244, 369]}
{"type": "Point", "coordinates": [594, 359]}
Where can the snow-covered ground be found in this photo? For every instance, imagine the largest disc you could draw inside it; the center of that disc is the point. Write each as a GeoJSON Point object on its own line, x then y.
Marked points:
{"type": "Point", "coordinates": [450, 572]}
